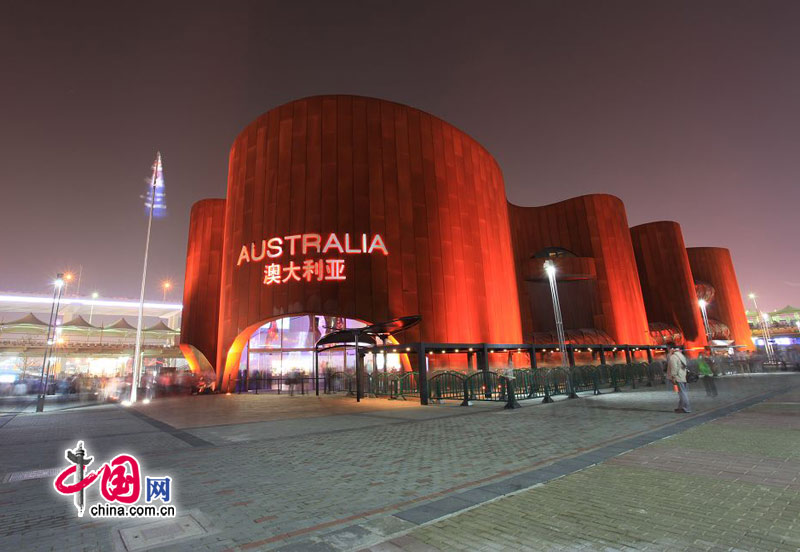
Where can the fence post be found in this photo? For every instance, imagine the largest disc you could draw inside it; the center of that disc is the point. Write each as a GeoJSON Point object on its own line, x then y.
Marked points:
{"type": "Point", "coordinates": [547, 398]}
{"type": "Point", "coordinates": [511, 401]}
{"type": "Point", "coordinates": [316, 372]}
{"type": "Point", "coordinates": [484, 366]}
{"type": "Point", "coordinates": [614, 378]}
{"type": "Point", "coordinates": [571, 383]}
{"type": "Point", "coordinates": [466, 402]}
{"type": "Point", "coordinates": [422, 369]}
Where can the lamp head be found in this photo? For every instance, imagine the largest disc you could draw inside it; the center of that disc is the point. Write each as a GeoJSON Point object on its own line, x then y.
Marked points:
{"type": "Point", "coordinates": [702, 303]}
{"type": "Point", "coordinates": [95, 295]}
{"type": "Point", "coordinates": [549, 268]}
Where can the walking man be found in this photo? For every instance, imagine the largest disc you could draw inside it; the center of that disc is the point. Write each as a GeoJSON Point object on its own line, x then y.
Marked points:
{"type": "Point", "coordinates": [676, 371]}
{"type": "Point", "coordinates": [708, 376]}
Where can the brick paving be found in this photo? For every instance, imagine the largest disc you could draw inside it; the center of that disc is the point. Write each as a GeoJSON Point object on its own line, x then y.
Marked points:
{"type": "Point", "coordinates": [718, 486]}
{"type": "Point", "coordinates": [305, 473]}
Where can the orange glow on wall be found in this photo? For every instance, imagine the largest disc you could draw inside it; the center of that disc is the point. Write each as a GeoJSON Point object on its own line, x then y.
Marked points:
{"type": "Point", "coordinates": [714, 266]}
{"type": "Point", "coordinates": [666, 278]}
{"type": "Point", "coordinates": [201, 287]}
{"type": "Point", "coordinates": [360, 208]}
{"type": "Point", "coordinates": [355, 167]}
{"type": "Point", "coordinates": [593, 227]}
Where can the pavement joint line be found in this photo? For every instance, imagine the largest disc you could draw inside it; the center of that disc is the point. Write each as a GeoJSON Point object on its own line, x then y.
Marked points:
{"type": "Point", "coordinates": [677, 427]}
{"type": "Point", "coordinates": [184, 436]}
{"type": "Point", "coordinates": [13, 414]}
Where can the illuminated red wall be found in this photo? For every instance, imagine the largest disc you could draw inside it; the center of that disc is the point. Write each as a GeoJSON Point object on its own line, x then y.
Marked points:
{"type": "Point", "coordinates": [666, 279]}
{"type": "Point", "coordinates": [202, 283]}
{"type": "Point", "coordinates": [714, 266]}
{"type": "Point", "coordinates": [360, 165]}
{"type": "Point", "coordinates": [594, 226]}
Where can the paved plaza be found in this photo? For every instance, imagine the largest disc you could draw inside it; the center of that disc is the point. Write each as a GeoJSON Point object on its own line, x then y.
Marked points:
{"type": "Point", "coordinates": [615, 471]}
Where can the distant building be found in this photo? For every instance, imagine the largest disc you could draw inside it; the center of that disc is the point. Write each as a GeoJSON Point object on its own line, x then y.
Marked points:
{"type": "Point", "coordinates": [94, 336]}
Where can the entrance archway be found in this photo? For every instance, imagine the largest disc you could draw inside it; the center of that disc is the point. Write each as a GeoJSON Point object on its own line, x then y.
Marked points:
{"type": "Point", "coordinates": [282, 348]}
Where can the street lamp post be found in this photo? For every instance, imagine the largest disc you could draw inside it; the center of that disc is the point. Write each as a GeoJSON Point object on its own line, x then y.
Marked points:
{"type": "Point", "coordinates": [768, 338]}
{"type": "Point", "coordinates": [762, 322]}
{"type": "Point", "coordinates": [51, 338]}
{"type": "Point", "coordinates": [67, 278]}
{"type": "Point", "coordinates": [550, 269]}
{"type": "Point", "coordinates": [95, 295]}
{"type": "Point", "coordinates": [166, 285]}
{"type": "Point", "coordinates": [703, 304]}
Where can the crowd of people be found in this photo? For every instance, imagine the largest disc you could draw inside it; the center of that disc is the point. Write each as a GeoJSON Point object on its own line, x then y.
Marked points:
{"type": "Point", "coordinates": [89, 388]}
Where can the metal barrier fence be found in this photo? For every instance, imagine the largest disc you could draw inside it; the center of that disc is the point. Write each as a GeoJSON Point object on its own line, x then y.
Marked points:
{"type": "Point", "coordinates": [486, 385]}
{"type": "Point", "coordinates": [447, 385]}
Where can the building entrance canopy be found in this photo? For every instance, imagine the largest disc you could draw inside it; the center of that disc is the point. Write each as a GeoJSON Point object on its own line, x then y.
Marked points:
{"type": "Point", "coordinates": [366, 336]}
{"type": "Point", "coordinates": [362, 337]}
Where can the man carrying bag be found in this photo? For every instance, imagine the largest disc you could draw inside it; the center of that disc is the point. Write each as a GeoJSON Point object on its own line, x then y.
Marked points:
{"type": "Point", "coordinates": [676, 372]}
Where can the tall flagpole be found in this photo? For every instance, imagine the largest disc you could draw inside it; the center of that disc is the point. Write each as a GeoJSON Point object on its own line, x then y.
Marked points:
{"type": "Point", "coordinates": [137, 360]}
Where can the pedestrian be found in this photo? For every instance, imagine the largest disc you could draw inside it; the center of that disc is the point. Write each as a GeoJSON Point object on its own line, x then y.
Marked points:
{"type": "Point", "coordinates": [676, 371]}
{"type": "Point", "coordinates": [708, 376]}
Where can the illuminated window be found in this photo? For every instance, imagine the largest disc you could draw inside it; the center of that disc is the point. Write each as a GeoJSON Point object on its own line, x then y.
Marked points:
{"type": "Point", "coordinates": [286, 345]}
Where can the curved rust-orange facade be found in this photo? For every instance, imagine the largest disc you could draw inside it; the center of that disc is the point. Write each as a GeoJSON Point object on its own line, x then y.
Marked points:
{"type": "Point", "coordinates": [202, 284]}
{"type": "Point", "coordinates": [356, 168]}
{"type": "Point", "coordinates": [344, 210]}
{"type": "Point", "coordinates": [713, 265]}
{"type": "Point", "coordinates": [666, 279]}
{"type": "Point", "coordinates": [593, 228]}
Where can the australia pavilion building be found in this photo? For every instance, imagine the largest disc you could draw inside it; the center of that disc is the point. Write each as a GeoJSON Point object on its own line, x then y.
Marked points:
{"type": "Point", "coordinates": [343, 211]}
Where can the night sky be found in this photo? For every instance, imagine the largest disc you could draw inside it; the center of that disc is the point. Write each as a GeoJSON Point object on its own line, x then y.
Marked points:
{"type": "Point", "coordinates": [688, 111]}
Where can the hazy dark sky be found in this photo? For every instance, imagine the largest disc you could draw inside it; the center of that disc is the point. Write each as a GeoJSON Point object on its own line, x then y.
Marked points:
{"type": "Point", "coordinates": [688, 111]}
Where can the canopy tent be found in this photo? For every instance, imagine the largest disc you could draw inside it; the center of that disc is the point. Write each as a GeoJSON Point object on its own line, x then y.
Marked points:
{"type": "Point", "coordinates": [29, 322]}
{"type": "Point", "coordinates": [120, 326]}
{"type": "Point", "coordinates": [79, 324]}
{"type": "Point", "coordinates": [788, 309]}
{"type": "Point", "coordinates": [160, 327]}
